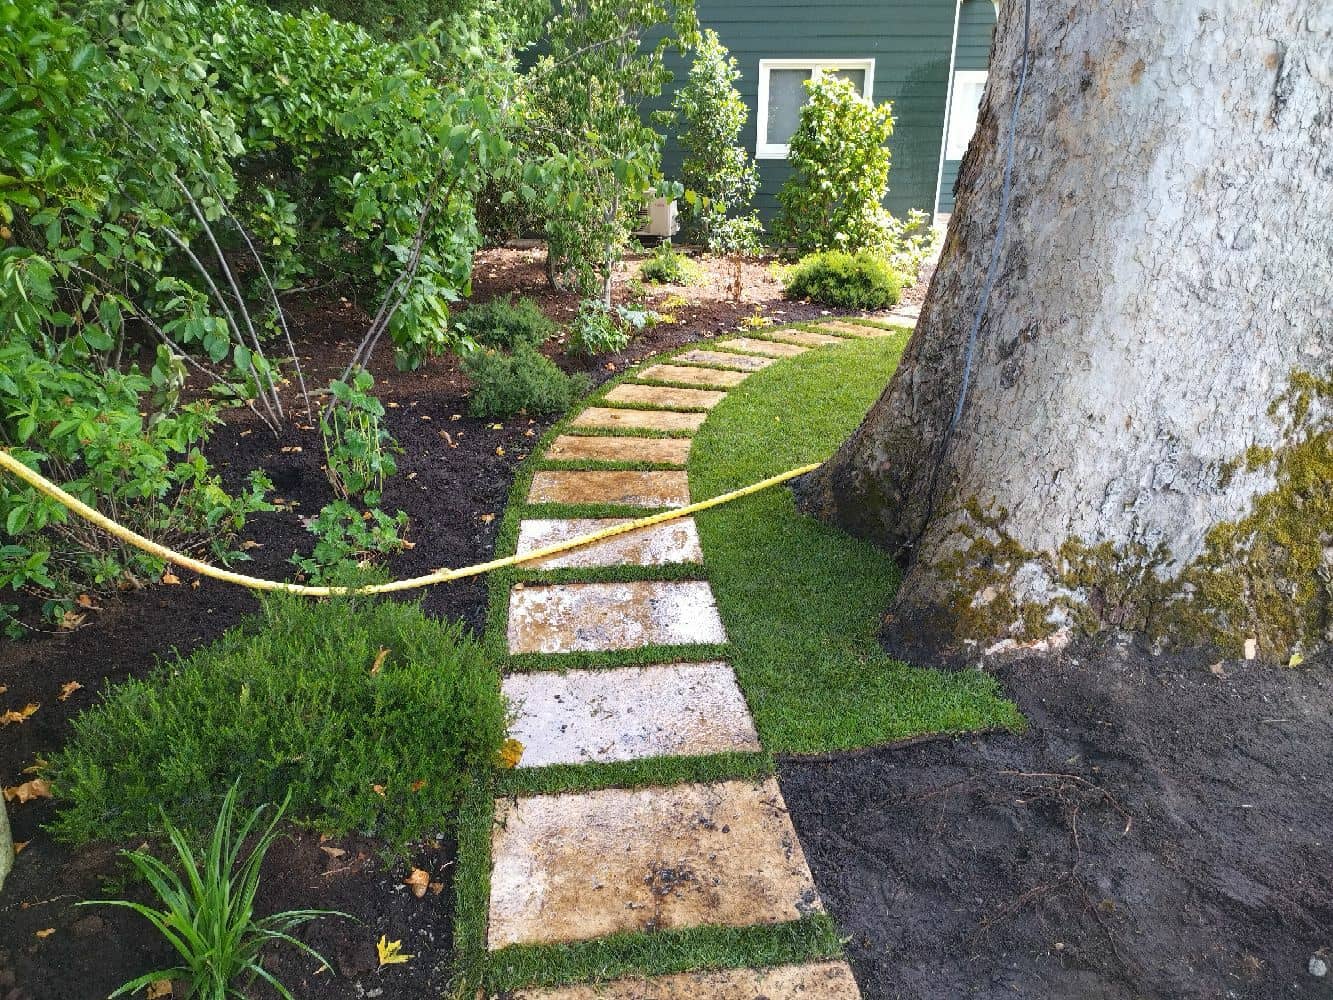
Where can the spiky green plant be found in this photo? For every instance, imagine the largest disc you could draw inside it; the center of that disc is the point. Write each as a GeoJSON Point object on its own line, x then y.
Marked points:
{"type": "Point", "coordinates": [208, 910]}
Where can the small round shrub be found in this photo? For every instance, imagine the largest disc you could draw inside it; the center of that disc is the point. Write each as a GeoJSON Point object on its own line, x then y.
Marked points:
{"type": "Point", "coordinates": [847, 280]}
{"type": "Point", "coordinates": [505, 324]}
{"type": "Point", "coordinates": [597, 330]}
{"type": "Point", "coordinates": [667, 267]}
{"type": "Point", "coordinates": [523, 382]}
{"type": "Point", "coordinates": [373, 716]}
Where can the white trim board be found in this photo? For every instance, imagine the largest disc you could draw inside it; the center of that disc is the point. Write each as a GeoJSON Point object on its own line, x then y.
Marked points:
{"type": "Point", "coordinates": [764, 150]}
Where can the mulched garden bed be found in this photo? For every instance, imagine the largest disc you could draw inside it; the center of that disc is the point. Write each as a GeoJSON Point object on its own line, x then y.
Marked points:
{"type": "Point", "coordinates": [454, 475]}
{"type": "Point", "coordinates": [1165, 829]}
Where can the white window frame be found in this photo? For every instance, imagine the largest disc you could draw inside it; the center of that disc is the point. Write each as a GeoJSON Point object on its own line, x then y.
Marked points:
{"type": "Point", "coordinates": [778, 151]}
{"type": "Point", "coordinates": [961, 77]}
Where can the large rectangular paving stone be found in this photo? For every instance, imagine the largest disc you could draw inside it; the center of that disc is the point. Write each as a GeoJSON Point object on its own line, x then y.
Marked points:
{"type": "Point", "coordinates": [815, 981]}
{"type": "Point", "coordinates": [855, 330]}
{"type": "Point", "coordinates": [669, 399]}
{"type": "Point", "coordinates": [591, 617]}
{"type": "Point", "coordinates": [723, 359]}
{"type": "Point", "coordinates": [628, 713]}
{"type": "Point", "coordinates": [609, 418]}
{"type": "Point", "coordinates": [579, 866]}
{"type": "Point", "coordinates": [656, 545]}
{"type": "Point", "coordinates": [805, 338]}
{"type": "Point", "coordinates": [630, 488]}
{"type": "Point", "coordinates": [704, 377]}
{"type": "Point", "coordinates": [765, 347]}
{"type": "Point", "coordinates": [658, 451]}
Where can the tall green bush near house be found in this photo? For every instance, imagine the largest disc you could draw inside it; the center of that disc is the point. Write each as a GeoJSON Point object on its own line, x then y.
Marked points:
{"type": "Point", "coordinates": [840, 171]}
{"type": "Point", "coordinates": [368, 713]}
{"type": "Point", "coordinates": [719, 176]}
{"type": "Point", "coordinates": [584, 102]}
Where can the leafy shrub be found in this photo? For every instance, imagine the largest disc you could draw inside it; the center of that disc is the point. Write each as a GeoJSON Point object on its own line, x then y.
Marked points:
{"type": "Point", "coordinates": [348, 542]}
{"type": "Point", "coordinates": [369, 714]}
{"type": "Point", "coordinates": [523, 382]}
{"type": "Point", "coordinates": [849, 281]}
{"type": "Point", "coordinates": [208, 914]}
{"type": "Point", "coordinates": [358, 449]}
{"type": "Point", "coordinates": [909, 242]}
{"type": "Point", "coordinates": [840, 171]}
{"type": "Point", "coordinates": [719, 176]}
{"type": "Point", "coordinates": [597, 330]}
{"type": "Point", "coordinates": [504, 323]}
{"type": "Point", "coordinates": [668, 267]}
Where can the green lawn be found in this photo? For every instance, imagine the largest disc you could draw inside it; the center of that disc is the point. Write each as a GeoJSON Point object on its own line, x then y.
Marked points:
{"type": "Point", "coordinates": [802, 601]}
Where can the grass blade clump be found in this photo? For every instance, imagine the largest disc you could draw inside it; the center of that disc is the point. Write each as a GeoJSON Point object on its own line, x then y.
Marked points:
{"type": "Point", "coordinates": [368, 714]}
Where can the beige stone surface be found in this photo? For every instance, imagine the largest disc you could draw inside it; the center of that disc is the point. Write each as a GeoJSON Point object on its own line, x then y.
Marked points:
{"type": "Point", "coordinates": [657, 545]}
{"type": "Point", "coordinates": [657, 395]}
{"type": "Point", "coordinates": [587, 617]}
{"type": "Point", "coordinates": [854, 330]}
{"type": "Point", "coordinates": [741, 362]}
{"type": "Point", "coordinates": [579, 866]}
{"type": "Point", "coordinates": [805, 338]}
{"type": "Point", "coordinates": [631, 488]}
{"type": "Point", "coordinates": [765, 347]}
{"type": "Point", "coordinates": [659, 451]}
{"type": "Point", "coordinates": [703, 377]}
{"type": "Point", "coordinates": [815, 981]}
{"type": "Point", "coordinates": [629, 713]}
{"type": "Point", "coordinates": [609, 418]}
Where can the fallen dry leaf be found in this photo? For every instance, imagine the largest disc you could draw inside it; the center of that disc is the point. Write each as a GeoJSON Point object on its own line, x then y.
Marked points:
{"type": "Point", "coordinates": [19, 715]}
{"type": "Point", "coordinates": [487, 518]}
{"type": "Point", "coordinates": [1217, 671]}
{"type": "Point", "coordinates": [71, 620]}
{"type": "Point", "coordinates": [380, 657]}
{"type": "Point", "coordinates": [292, 449]}
{"type": "Point", "coordinates": [418, 882]}
{"type": "Point", "coordinates": [249, 544]}
{"type": "Point", "coordinates": [510, 754]}
{"type": "Point", "coordinates": [19, 845]}
{"type": "Point", "coordinates": [170, 578]}
{"type": "Point", "coordinates": [436, 888]}
{"type": "Point", "coordinates": [159, 989]}
{"type": "Point", "coordinates": [67, 689]}
{"type": "Point", "coordinates": [84, 601]}
{"type": "Point", "coordinates": [37, 788]}
{"type": "Point", "coordinates": [44, 934]}
{"type": "Point", "coordinates": [378, 790]}
{"type": "Point", "coordinates": [500, 451]}
{"type": "Point", "coordinates": [333, 852]}
{"type": "Point", "coordinates": [391, 952]}
{"type": "Point", "coordinates": [3, 689]}
{"type": "Point", "coordinates": [418, 785]}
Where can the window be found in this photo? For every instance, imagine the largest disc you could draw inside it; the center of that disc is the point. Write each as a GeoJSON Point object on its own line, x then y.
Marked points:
{"type": "Point", "coordinates": [782, 93]}
{"type": "Point", "coordinates": [964, 107]}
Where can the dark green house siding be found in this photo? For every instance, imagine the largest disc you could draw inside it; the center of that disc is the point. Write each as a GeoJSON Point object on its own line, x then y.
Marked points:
{"type": "Point", "coordinates": [976, 29]}
{"type": "Point", "coordinates": [909, 41]}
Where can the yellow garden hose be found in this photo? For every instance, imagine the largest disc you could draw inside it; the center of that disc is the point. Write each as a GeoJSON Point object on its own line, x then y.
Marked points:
{"type": "Point", "coordinates": [43, 485]}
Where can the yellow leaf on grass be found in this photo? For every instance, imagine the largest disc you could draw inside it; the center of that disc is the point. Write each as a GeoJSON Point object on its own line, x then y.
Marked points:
{"type": "Point", "coordinates": [510, 754]}
{"type": "Point", "coordinates": [380, 657]}
{"type": "Point", "coordinates": [391, 952]}
{"type": "Point", "coordinates": [20, 715]}
{"type": "Point", "coordinates": [418, 882]}
{"type": "Point", "coordinates": [67, 689]}
{"type": "Point", "coordinates": [37, 788]}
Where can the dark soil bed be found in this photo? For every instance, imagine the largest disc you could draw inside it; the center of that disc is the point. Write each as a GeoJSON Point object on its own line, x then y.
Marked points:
{"type": "Point", "coordinates": [454, 475]}
{"type": "Point", "coordinates": [1164, 830]}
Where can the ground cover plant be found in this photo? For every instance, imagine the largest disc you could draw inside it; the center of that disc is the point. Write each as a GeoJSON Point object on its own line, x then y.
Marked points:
{"type": "Point", "coordinates": [667, 266]}
{"type": "Point", "coordinates": [324, 702]}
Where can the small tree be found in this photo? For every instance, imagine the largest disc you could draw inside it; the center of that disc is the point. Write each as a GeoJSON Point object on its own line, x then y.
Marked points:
{"type": "Point", "coordinates": [840, 163]}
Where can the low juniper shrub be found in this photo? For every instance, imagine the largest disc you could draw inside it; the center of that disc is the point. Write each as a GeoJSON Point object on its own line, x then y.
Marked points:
{"type": "Point", "coordinates": [371, 716]}
{"type": "Point", "coordinates": [846, 280]}
{"type": "Point", "coordinates": [504, 323]}
{"type": "Point", "coordinates": [522, 382]}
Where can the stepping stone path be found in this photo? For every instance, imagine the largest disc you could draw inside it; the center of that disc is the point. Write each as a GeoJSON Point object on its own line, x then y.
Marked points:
{"type": "Point", "coordinates": [578, 866]}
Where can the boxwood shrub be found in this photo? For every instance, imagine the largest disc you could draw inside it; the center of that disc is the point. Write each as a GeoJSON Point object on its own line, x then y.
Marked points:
{"type": "Point", "coordinates": [505, 323]}
{"type": "Point", "coordinates": [523, 382]}
{"type": "Point", "coordinates": [850, 281]}
{"type": "Point", "coordinates": [370, 714]}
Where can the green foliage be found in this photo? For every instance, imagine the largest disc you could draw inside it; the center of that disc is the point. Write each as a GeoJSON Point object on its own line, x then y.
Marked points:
{"type": "Point", "coordinates": [584, 100]}
{"type": "Point", "coordinates": [348, 542]}
{"type": "Point", "coordinates": [299, 701]}
{"type": "Point", "coordinates": [207, 912]}
{"type": "Point", "coordinates": [523, 382]}
{"type": "Point", "coordinates": [720, 178]}
{"type": "Point", "coordinates": [358, 448]}
{"type": "Point", "coordinates": [840, 171]}
{"type": "Point", "coordinates": [850, 281]}
{"type": "Point", "coordinates": [504, 323]}
{"type": "Point", "coordinates": [597, 330]}
{"type": "Point", "coordinates": [668, 267]}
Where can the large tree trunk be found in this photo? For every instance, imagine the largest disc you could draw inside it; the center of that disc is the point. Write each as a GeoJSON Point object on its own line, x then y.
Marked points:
{"type": "Point", "coordinates": [1146, 443]}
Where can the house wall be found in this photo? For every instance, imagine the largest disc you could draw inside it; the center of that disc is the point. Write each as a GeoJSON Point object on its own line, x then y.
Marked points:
{"type": "Point", "coordinates": [976, 29]}
{"type": "Point", "coordinates": [909, 41]}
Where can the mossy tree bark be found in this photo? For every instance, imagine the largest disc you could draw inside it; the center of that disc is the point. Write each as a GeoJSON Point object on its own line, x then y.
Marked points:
{"type": "Point", "coordinates": [1145, 443]}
